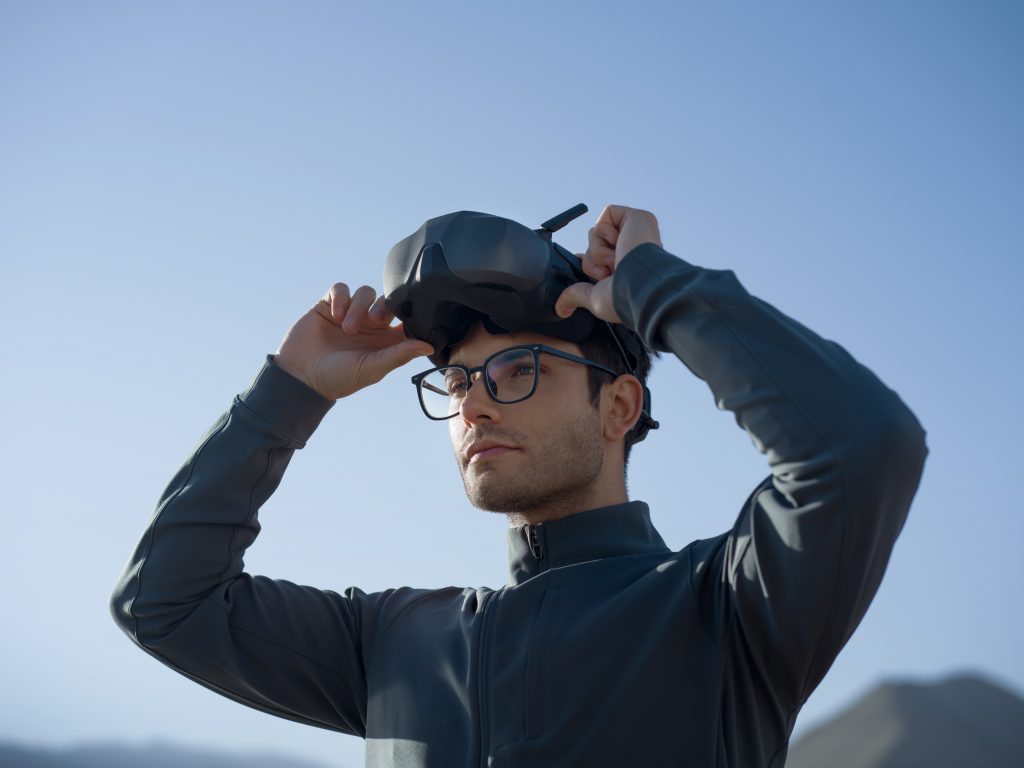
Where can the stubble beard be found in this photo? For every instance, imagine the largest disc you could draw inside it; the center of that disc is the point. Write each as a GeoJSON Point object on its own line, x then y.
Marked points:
{"type": "Point", "coordinates": [557, 479]}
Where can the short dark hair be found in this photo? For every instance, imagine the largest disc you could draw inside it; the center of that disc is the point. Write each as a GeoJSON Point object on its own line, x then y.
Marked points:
{"type": "Point", "coordinates": [601, 347]}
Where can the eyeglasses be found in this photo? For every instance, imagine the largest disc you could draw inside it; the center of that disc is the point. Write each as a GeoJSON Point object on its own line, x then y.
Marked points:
{"type": "Point", "coordinates": [510, 376]}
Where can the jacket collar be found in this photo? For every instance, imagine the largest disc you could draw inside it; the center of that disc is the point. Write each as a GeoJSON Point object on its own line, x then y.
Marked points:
{"type": "Point", "coordinates": [615, 531]}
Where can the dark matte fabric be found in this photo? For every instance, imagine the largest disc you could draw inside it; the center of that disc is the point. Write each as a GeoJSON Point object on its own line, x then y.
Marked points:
{"type": "Point", "coordinates": [606, 649]}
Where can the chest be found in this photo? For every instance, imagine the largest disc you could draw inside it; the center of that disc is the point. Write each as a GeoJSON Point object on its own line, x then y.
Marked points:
{"type": "Point", "coordinates": [561, 665]}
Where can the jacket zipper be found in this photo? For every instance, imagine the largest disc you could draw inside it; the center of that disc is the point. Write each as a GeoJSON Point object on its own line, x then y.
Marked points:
{"type": "Point", "coordinates": [481, 685]}
{"type": "Point", "coordinates": [534, 539]}
{"type": "Point", "coordinates": [481, 688]}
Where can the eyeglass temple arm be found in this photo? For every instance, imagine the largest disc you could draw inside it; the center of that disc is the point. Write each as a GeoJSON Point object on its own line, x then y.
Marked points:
{"type": "Point", "coordinates": [437, 390]}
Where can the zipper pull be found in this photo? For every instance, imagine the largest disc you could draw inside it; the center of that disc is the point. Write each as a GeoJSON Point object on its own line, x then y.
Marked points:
{"type": "Point", "coordinates": [534, 538]}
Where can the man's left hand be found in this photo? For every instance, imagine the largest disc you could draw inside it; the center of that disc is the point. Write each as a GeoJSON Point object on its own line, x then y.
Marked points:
{"type": "Point", "coordinates": [618, 231]}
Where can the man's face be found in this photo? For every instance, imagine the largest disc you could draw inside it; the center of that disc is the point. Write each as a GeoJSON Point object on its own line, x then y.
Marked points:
{"type": "Point", "coordinates": [551, 446]}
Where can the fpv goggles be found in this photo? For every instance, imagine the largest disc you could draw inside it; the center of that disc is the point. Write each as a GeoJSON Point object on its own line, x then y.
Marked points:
{"type": "Point", "coordinates": [467, 266]}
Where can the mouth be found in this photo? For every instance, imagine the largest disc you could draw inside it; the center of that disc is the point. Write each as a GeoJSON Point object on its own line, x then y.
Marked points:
{"type": "Point", "coordinates": [490, 453]}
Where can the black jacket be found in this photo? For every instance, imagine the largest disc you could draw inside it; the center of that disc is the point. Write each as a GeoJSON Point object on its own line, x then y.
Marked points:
{"type": "Point", "coordinates": [605, 647]}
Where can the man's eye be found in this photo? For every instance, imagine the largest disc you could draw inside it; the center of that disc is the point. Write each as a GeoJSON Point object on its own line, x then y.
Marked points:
{"type": "Point", "coordinates": [523, 370]}
{"type": "Point", "coordinates": [456, 387]}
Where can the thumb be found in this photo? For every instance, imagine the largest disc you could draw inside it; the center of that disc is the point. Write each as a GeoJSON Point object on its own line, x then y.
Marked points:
{"type": "Point", "coordinates": [596, 299]}
{"type": "Point", "coordinates": [576, 295]}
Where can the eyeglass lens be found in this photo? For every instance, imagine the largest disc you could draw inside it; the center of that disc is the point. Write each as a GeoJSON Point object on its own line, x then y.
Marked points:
{"type": "Point", "coordinates": [510, 377]}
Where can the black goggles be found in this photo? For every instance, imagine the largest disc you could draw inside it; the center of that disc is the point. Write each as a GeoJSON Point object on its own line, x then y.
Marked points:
{"type": "Point", "coordinates": [468, 267]}
{"type": "Point", "coordinates": [465, 266]}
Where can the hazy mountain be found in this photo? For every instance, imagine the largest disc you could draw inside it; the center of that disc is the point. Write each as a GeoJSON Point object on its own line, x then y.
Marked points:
{"type": "Point", "coordinates": [151, 756]}
{"type": "Point", "coordinates": [959, 722]}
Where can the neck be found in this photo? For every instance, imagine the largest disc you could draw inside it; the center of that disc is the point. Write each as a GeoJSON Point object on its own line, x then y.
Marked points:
{"type": "Point", "coordinates": [601, 494]}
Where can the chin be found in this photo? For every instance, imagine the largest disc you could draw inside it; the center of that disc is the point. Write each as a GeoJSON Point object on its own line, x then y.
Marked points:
{"type": "Point", "coordinates": [491, 494]}
{"type": "Point", "coordinates": [482, 496]}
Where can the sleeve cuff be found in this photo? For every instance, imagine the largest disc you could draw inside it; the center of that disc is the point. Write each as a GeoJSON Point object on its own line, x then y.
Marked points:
{"type": "Point", "coordinates": [639, 277]}
{"type": "Point", "coordinates": [285, 403]}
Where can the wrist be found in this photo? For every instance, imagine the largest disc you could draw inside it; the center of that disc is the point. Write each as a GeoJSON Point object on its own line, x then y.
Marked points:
{"type": "Point", "coordinates": [288, 367]}
{"type": "Point", "coordinates": [285, 402]}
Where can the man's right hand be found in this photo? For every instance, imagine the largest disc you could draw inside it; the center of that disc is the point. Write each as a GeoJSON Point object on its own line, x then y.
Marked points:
{"type": "Point", "coordinates": [618, 231]}
{"type": "Point", "coordinates": [346, 342]}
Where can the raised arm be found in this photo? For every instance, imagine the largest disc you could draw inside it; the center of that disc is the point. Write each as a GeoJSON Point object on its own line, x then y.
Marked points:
{"type": "Point", "coordinates": [184, 597]}
{"type": "Point", "coordinates": [793, 579]}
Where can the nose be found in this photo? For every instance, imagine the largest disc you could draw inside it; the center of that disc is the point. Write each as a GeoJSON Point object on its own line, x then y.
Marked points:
{"type": "Point", "coordinates": [478, 405]}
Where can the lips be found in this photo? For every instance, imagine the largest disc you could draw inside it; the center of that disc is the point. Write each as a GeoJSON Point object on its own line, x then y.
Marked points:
{"type": "Point", "coordinates": [487, 449]}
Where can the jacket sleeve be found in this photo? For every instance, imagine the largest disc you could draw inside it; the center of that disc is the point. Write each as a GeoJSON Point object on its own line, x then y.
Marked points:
{"type": "Point", "coordinates": [290, 650]}
{"type": "Point", "coordinates": [788, 585]}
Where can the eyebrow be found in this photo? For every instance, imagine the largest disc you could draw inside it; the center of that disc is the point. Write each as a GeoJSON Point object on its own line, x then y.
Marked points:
{"type": "Point", "coordinates": [453, 359]}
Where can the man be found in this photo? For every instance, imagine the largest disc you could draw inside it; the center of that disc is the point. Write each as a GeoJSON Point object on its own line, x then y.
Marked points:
{"type": "Point", "coordinates": [605, 647]}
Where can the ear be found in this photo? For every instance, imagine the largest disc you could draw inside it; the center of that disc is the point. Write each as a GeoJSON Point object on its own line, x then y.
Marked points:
{"type": "Point", "coordinates": [622, 402]}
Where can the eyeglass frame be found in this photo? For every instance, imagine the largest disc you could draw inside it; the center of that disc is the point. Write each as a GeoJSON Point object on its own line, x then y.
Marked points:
{"type": "Point", "coordinates": [536, 349]}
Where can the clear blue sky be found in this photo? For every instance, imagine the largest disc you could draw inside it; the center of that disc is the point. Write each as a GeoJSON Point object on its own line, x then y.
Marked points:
{"type": "Point", "coordinates": [180, 181]}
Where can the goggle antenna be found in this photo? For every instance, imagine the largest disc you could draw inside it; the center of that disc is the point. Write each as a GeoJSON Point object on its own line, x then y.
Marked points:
{"type": "Point", "coordinates": [559, 221]}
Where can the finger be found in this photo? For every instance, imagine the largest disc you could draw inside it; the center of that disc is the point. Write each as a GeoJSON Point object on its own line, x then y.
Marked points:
{"type": "Point", "coordinates": [397, 355]}
{"type": "Point", "coordinates": [338, 297]}
{"type": "Point", "coordinates": [609, 223]}
{"type": "Point", "coordinates": [362, 299]}
{"type": "Point", "coordinates": [595, 271]}
{"type": "Point", "coordinates": [591, 269]}
{"type": "Point", "coordinates": [599, 250]}
{"type": "Point", "coordinates": [323, 309]}
{"type": "Point", "coordinates": [379, 312]}
{"type": "Point", "coordinates": [609, 232]}
{"type": "Point", "coordinates": [613, 215]}
{"type": "Point", "coordinates": [595, 239]}
{"type": "Point", "coordinates": [603, 257]}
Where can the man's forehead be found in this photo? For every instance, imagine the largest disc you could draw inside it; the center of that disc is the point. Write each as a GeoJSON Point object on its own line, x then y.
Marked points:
{"type": "Point", "coordinates": [479, 344]}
